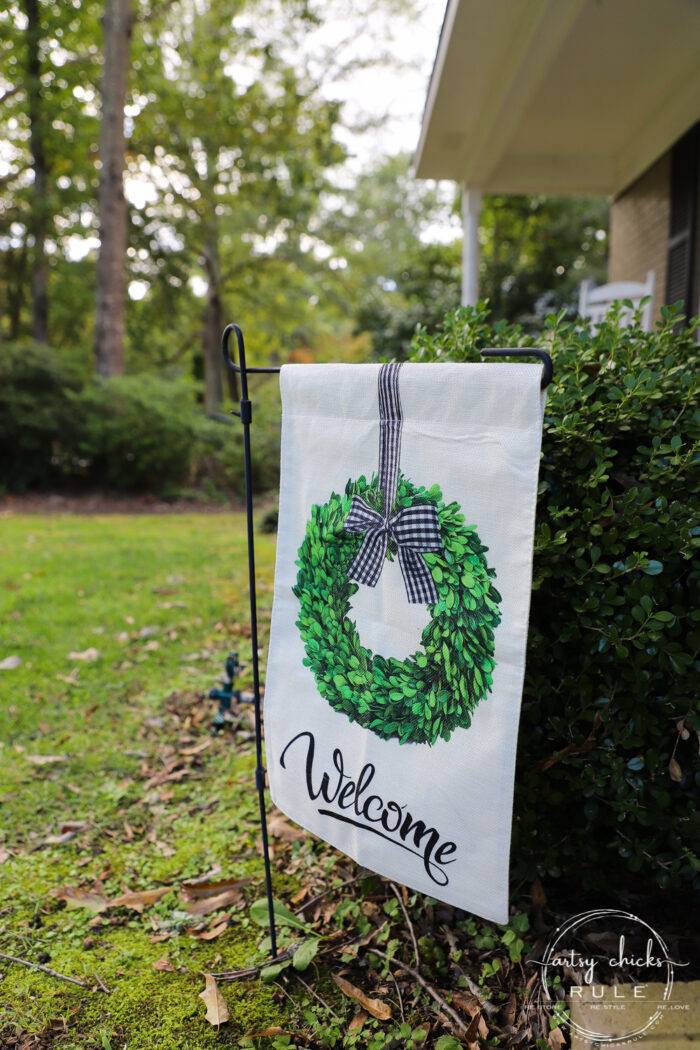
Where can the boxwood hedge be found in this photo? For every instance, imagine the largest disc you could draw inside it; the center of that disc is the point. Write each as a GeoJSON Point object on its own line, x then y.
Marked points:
{"type": "Point", "coordinates": [608, 765]}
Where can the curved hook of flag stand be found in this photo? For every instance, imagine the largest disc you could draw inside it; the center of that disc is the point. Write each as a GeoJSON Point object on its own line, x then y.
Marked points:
{"type": "Point", "coordinates": [246, 415]}
{"type": "Point", "coordinates": [542, 355]}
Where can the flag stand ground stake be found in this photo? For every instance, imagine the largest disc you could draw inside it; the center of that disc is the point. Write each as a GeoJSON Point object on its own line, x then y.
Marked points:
{"type": "Point", "coordinates": [246, 416]}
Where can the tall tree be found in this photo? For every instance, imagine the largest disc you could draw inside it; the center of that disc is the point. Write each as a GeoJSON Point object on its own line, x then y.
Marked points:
{"type": "Point", "coordinates": [111, 265]}
{"type": "Point", "coordinates": [240, 166]}
{"type": "Point", "coordinates": [39, 215]}
{"type": "Point", "coordinates": [48, 64]}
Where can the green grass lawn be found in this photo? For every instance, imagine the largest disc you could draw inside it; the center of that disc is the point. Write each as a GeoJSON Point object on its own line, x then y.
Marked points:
{"type": "Point", "coordinates": [97, 789]}
{"type": "Point", "coordinates": [111, 783]}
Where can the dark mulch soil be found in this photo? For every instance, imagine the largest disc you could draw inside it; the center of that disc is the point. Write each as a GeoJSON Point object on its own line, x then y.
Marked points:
{"type": "Point", "coordinates": [109, 503]}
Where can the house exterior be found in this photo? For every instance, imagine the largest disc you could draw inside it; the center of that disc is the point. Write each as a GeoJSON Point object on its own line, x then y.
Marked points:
{"type": "Point", "coordinates": [654, 225]}
{"type": "Point", "coordinates": [576, 97]}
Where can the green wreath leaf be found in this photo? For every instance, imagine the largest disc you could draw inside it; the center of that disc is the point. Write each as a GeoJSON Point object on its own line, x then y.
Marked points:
{"type": "Point", "coordinates": [433, 692]}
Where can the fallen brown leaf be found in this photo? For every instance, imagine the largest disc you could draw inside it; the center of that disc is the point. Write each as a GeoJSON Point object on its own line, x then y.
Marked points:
{"type": "Point", "coordinates": [70, 679]}
{"type": "Point", "coordinates": [357, 1021]}
{"type": "Point", "coordinates": [508, 1012]}
{"type": "Point", "coordinates": [279, 827]}
{"type": "Point", "coordinates": [360, 942]}
{"type": "Point", "coordinates": [164, 964]}
{"type": "Point", "coordinates": [88, 656]}
{"type": "Point", "coordinates": [45, 760]}
{"type": "Point", "coordinates": [4, 855]}
{"type": "Point", "coordinates": [217, 1011]}
{"type": "Point", "coordinates": [467, 1002]}
{"type": "Point", "coordinates": [371, 911]}
{"type": "Point", "coordinates": [209, 904]}
{"type": "Point", "coordinates": [473, 1029]}
{"type": "Point", "coordinates": [375, 1007]}
{"type": "Point", "coordinates": [165, 777]}
{"type": "Point", "coordinates": [157, 938]}
{"type": "Point", "coordinates": [537, 893]}
{"type": "Point", "coordinates": [75, 898]}
{"type": "Point", "coordinates": [556, 1039]}
{"type": "Point", "coordinates": [213, 931]}
{"type": "Point", "coordinates": [137, 900]}
{"type": "Point", "coordinates": [71, 825]}
{"type": "Point", "coordinates": [269, 1032]}
{"type": "Point", "coordinates": [260, 850]}
{"type": "Point", "coordinates": [197, 750]}
{"type": "Point", "coordinates": [197, 889]}
{"type": "Point", "coordinates": [200, 880]}
{"type": "Point", "coordinates": [59, 840]}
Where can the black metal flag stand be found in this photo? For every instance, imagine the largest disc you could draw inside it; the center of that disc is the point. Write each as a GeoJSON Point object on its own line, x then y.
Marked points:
{"type": "Point", "coordinates": [246, 416]}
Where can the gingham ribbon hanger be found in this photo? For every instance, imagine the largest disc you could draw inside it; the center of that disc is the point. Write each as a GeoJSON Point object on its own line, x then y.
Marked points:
{"type": "Point", "coordinates": [415, 530]}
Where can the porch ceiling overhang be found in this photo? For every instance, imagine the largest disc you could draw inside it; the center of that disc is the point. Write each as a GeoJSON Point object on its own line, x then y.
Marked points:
{"type": "Point", "coordinates": [559, 96]}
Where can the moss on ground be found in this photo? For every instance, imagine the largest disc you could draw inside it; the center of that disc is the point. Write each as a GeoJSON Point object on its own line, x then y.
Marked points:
{"type": "Point", "coordinates": [162, 600]}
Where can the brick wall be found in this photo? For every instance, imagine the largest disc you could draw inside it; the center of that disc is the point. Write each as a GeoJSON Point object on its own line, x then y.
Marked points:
{"type": "Point", "coordinates": [639, 224]}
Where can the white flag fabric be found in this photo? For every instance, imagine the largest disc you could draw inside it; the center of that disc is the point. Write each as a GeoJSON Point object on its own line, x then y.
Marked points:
{"type": "Point", "coordinates": [399, 624]}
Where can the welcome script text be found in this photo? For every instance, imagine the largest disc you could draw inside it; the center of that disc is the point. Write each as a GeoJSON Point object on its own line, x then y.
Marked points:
{"type": "Point", "coordinates": [353, 805]}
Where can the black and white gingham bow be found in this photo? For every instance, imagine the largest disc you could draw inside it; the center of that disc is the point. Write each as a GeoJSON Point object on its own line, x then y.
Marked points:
{"type": "Point", "coordinates": [415, 530]}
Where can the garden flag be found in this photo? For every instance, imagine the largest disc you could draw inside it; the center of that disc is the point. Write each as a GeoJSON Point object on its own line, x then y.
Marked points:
{"type": "Point", "coordinates": [402, 591]}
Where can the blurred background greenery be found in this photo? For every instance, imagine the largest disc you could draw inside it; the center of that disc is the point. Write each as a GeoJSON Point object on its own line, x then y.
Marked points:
{"type": "Point", "coordinates": [167, 167]}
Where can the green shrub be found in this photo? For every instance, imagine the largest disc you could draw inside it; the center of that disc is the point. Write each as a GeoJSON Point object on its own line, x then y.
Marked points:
{"type": "Point", "coordinates": [36, 421]}
{"type": "Point", "coordinates": [136, 433]}
{"type": "Point", "coordinates": [217, 457]}
{"type": "Point", "coordinates": [608, 750]}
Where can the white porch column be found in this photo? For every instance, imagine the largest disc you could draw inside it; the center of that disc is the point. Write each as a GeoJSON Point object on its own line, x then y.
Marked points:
{"type": "Point", "coordinates": [471, 214]}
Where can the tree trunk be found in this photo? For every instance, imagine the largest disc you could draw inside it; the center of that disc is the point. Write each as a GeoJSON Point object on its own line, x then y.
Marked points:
{"type": "Point", "coordinates": [111, 264]}
{"type": "Point", "coordinates": [16, 268]}
{"type": "Point", "coordinates": [39, 220]}
{"type": "Point", "coordinates": [213, 326]}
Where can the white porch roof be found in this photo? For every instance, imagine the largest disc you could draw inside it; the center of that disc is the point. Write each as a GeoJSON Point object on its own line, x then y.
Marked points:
{"type": "Point", "coordinates": [559, 96]}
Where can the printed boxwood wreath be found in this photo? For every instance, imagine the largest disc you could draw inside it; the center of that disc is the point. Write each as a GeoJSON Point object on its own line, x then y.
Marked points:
{"type": "Point", "coordinates": [433, 692]}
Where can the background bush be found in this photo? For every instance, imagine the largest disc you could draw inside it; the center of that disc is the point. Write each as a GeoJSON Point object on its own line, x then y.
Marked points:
{"type": "Point", "coordinates": [36, 418]}
{"type": "Point", "coordinates": [608, 765]}
{"type": "Point", "coordinates": [137, 433]}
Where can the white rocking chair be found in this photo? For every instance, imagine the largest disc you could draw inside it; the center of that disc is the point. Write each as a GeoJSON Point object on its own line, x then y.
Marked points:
{"type": "Point", "coordinates": [594, 302]}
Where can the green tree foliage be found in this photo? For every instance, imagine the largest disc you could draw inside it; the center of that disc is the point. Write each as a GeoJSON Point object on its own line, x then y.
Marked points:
{"type": "Point", "coordinates": [229, 140]}
{"type": "Point", "coordinates": [426, 286]}
{"type": "Point", "coordinates": [238, 205]}
{"type": "Point", "coordinates": [608, 758]}
{"type": "Point", "coordinates": [238, 162]}
{"type": "Point", "coordinates": [535, 251]}
{"type": "Point", "coordinates": [48, 126]}
{"type": "Point", "coordinates": [395, 278]}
